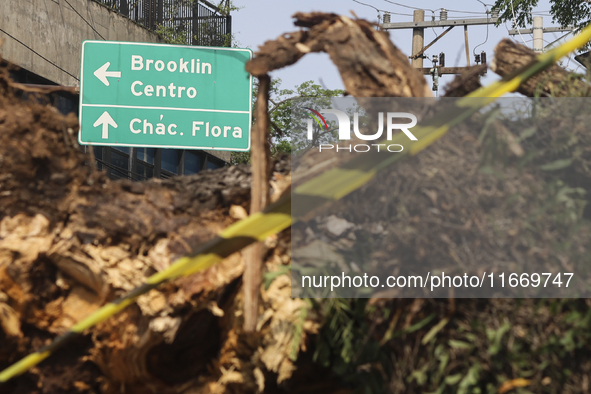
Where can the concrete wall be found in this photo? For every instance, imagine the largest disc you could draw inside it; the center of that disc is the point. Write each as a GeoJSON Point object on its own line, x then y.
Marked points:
{"type": "Point", "coordinates": [55, 31]}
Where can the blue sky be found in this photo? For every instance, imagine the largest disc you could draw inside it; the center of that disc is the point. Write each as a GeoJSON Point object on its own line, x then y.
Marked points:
{"type": "Point", "coordinates": [262, 20]}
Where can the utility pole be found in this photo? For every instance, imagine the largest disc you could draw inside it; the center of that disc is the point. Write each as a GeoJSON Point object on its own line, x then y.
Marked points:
{"type": "Point", "coordinates": [440, 23]}
{"type": "Point", "coordinates": [418, 39]}
{"type": "Point", "coordinates": [467, 46]}
{"type": "Point", "coordinates": [538, 45]}
{"type": "Point", "coordinates": [538, 31]}
{"type": "Point", "coordinates": [418, 26]}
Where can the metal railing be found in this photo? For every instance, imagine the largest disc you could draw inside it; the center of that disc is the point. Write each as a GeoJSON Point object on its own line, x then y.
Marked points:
{"type": "Point", "coordinates": [191, 22]}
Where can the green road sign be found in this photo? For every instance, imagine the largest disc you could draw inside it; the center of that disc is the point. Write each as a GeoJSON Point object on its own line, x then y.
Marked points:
{"type": "Point", "coordinates": [165, 96]}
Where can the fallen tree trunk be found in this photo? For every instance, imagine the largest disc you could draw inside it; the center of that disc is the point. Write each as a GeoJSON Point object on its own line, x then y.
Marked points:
{"type": "Point", "coordinates": [71, 240]}
{"type": "Point", "coordinates": [369, 63]}
{"type": "Point", "coordinates": [555, 81]}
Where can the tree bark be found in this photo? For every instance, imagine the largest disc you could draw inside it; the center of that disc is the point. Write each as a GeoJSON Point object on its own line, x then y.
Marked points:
{"type": "Point", "coordinates": [369, 63]}
{"type": "Point", "coordinates": [555, 81]}
{"type": "Point", "coordinates": [260, 155]}
{"type": "Point", "coordinates": [71, 240]}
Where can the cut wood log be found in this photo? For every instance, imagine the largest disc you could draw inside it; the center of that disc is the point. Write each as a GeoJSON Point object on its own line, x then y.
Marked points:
{"type": "Point", "coordinates": [466, 82]}
{"type": "Point", "coordinates": [555, 81]}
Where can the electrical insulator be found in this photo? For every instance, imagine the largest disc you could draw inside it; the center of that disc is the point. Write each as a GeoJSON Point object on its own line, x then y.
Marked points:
{"type": "Point", "coordinates": [495, 13]}
{"type": "Point", "coordinates": [483, 57]}
{"type": "Point", "coordinates": [477, 59]}
{"type": "Point", "coordinates": [435, 76]}
{"type": "Point", "coordinates": [386, 18]}
{"type": "Point", "coordinates": [434, 60]}
{"type": "Point", "coordinates": [442, 59]}
{"type": "Point", "coordinates": [443, 14]}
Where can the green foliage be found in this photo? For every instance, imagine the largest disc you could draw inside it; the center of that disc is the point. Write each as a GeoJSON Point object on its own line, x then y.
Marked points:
{"type": "Point", "coordinates": [487, 344]}
{"type": "Point", "coordinates": [228, 6]}
{"type": "Point", "coordinates": [495, 337]}
{"type": "Point", "coordinates": [282, 103]}
{"type": "Point", "coordinates": [564, 12]}
{"type": "Point", "coordinates": [492, 342]}
{"type": "Point", "coordinates": [208, 33]}
{"type": "Point", "coordinates": [208, 29]}
{"type": "Point", "coordinates": [298, 332]}
{"type": "Point", "coordinates": [269, 277]}
{"type": "Point", "coordinates": [295, 103]}
{"type": "Point", "coordinates": [346, 345]}
{"type": "Point", "coordinates": [240, 158]}
{"type": "Point", "coordinates": [172, 35]}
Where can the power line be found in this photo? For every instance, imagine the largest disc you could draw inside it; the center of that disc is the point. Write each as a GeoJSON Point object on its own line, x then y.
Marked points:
{"type": "Point", "coordinates": [377, 9]}
{"type": "Point", "coordinates": [484, 4]}
{"type": "Point", "coordinates": [368, 5]}
{"type": "Point", "coordinates": [486, 39]}
{"type": "Point", "coordinates": [407, 6]}
{"type": "Point", "coordinates": [515, 23]}
{"type": "Point", "coordinates": [447, 9]}
{"type": "Point", "coordinates": [461, 12]}
{"type": "Point", "coordinates": [371, 7]}
{"type": "Point", "coordinates": [558, 39]}
{"type": "Point", "coordinates": [545, 13]}
{"type": "Point", "coordinates": [92, 27]}
{"type": "Point", "coordinates": [38, 54]}
{"type": "Point", "coordinates": [43, 57]}
{"type": "Point", "coordinates": [468, 12]}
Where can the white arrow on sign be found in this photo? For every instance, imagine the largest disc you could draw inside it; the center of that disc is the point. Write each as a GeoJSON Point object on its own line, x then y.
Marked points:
{"type": "Point", "coordinates": [105, 119]}
{"type": "Point", "coordinates": [102, 73]}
